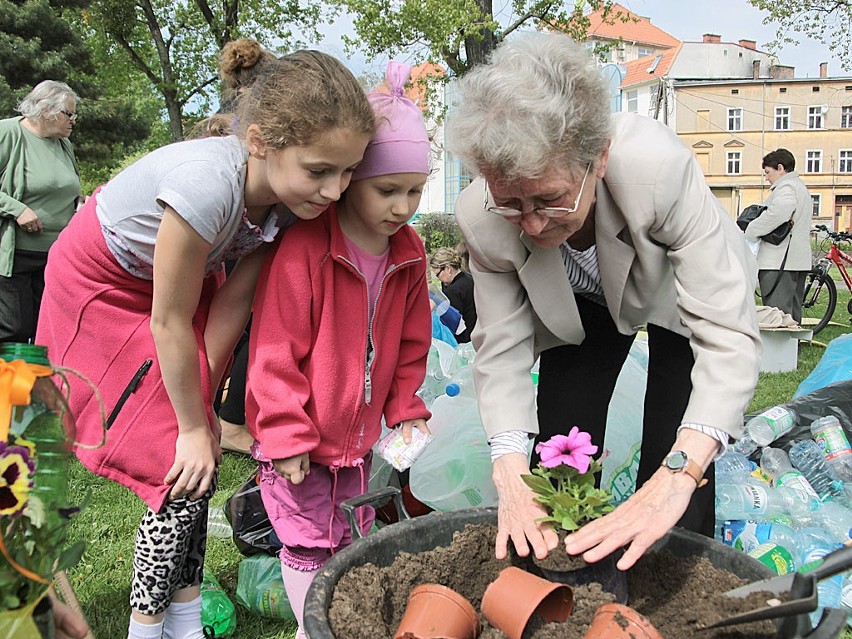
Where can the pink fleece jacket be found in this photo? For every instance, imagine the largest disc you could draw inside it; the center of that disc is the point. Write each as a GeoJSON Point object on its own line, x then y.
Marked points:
{"type": "Point", "coordinates": [309, 387]}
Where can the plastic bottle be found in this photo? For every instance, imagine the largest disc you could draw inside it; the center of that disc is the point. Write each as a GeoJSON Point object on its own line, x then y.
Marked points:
{"type": "Point", "coordinates": [828, 590]}
{"type": "Point", "coordinates": [835, 518]}
{"type": "Point", "coordinates": [733, 467]}
{"type": "Point", "coordinates": [846, 598]}
{"type": "Point", "coordinates": [771, 424]}
{"type": "Point", "coordinates": [44, 423]}
{"type": "Point", "coordinates": [777, 465]}
{"type": "Point", "coordinates": [807, 457]}
{"type": "Point", "coordinates": [435, 380]}
{"type": "Point", "coordinates": [217, 523]}
{"type": "Point", "coordinates": [260, 588]}
{"type": "Point", "coordinates": [745, 445]}
{"type": "Point", "coordinates": [759, 503]}
{"type": "Point", "coordinates": [832, 440]}
{"type": "Point", "coordinates": [461, 383]}
{"type": "Point", "coordinates": [217, 610]}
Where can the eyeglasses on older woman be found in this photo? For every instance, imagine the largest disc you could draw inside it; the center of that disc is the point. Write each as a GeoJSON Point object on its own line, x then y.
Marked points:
{"type": "Point", "coordinates": [547, 211]}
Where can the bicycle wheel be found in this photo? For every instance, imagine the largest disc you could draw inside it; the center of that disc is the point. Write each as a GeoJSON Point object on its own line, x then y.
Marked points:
{"type": "Point", "coordinates": [819, 301]}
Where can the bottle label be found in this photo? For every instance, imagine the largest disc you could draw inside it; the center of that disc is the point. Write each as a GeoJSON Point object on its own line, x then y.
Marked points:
{"type": "Point", "coordinates": [779, 419]}
{"type": "Point", "coordinates": [755, 499]}
{"type": "Point", "coordinates": [796, 481]}
{"type": "Point", "coordinates": [745, 536]}
{"type": "Point", "coordinates": [775, 557]}
{"type": "Point", "coordinates": [833, 443]}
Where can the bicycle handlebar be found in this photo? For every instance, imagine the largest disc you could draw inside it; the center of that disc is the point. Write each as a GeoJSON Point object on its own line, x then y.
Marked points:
{"type": "Point", "coordinates": [838, 236]}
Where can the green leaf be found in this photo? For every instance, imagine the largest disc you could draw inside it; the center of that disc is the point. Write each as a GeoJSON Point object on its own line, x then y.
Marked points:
{"type": "Point", "coordinates": [568, 523]}
{"type": "Point", "coordinates": [71, 556]}
{"type": "Point", "coordinates": [539, 485]}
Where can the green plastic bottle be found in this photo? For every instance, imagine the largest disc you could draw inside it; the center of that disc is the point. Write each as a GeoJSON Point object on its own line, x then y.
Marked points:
{"type": "Point", "coordinates": [43, 423]}
{"type": "Point", "coordinates": [217, 610]}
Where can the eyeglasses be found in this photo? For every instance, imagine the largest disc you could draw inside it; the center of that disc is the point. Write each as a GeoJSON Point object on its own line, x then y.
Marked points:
{"type": "Point", "coordinates": [547, 211]}
{"type": "Point", "coordinates": [71, 116]}
{"type": "Point", "coordinates": [437, 270]}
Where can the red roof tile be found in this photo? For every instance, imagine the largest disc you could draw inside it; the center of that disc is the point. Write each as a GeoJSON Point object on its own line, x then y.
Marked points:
{"type": "Point", "coordinates": [637, 70]}
{"type": "Point", "coordinates": [635, 29]}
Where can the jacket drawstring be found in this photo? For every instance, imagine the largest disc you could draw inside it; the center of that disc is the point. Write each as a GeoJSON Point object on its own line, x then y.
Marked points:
{"type": "Point", "coordinates": [359, 463]}
{"type": "Point", "coordinates": [333, 468]}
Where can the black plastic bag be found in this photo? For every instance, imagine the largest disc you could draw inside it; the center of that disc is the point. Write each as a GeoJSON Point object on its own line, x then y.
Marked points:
{"type": "Point", "coordinates": [775, 236]}
{"type": "Point", "coordinates": [834, 399]}
{"type": "Point", "coordinates": [244, 510]}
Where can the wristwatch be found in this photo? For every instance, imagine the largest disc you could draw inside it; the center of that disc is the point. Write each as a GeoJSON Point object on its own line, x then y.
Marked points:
{"type": "Point", "coordinates": [677, 462]}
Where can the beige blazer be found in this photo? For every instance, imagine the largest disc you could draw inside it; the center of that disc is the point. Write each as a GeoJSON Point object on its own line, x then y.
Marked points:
{"type": "Point", "coordinates": [668, 255]}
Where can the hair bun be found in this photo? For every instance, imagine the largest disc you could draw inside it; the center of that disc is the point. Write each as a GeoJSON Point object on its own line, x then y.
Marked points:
{"type": "Point", "coordinates": [239, 55]}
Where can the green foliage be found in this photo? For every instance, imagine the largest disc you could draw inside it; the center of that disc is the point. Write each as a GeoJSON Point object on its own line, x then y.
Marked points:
{"type": "Point", "coordinates": [569, 496]}
{"type": "Point", "coordinates": [827, 21]}
{"type": "Point", "coordinates": [175, 44]}
{"type": "Point", "coordinates": [437, 230]}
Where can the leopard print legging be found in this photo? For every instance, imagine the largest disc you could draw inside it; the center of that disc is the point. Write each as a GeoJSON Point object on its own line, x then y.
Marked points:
{"type": "Point", "coordinates": [169, 555]}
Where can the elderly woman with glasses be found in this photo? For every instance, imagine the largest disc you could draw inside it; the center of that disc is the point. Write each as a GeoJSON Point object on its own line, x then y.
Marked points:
{"type": "Point", "coordinates": [583, 229]}
{"type": "Point", "coordinates": [39, 191]}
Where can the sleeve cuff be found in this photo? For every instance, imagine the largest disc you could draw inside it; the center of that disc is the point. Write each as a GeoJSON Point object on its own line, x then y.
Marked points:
{"type": "Point", "coordinates": [512, 441]}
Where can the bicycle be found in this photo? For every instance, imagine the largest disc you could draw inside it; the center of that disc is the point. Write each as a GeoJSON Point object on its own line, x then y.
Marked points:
{"type": "Point", "coordinates": [820, 297]}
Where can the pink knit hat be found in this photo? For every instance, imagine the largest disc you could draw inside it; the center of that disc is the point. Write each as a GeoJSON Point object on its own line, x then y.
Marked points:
{"type": "Point", "coordinates": [401, 144]}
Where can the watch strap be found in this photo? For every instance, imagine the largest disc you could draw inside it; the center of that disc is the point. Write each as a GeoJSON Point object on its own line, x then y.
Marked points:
{"type": "Point", "coordinates": [694, 470]}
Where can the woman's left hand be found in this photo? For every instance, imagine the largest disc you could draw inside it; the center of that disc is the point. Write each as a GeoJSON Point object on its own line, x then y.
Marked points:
{"type": "Point", "coordinates": [640, 521]}
{"type": "Point", "coordinates": [408, 424]}
{"type": "Point", "coordinates": [197, 454]}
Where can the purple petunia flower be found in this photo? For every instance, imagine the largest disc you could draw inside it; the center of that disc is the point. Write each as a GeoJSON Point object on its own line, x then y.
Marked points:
{"type": "Point", "coordinates": [573, 450]}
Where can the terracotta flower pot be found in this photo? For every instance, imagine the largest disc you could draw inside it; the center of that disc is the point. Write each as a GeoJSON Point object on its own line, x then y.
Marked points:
{"type": "Point", "coordinates": [512, 598]}
{"type": "Point", "coordinates": [605, 572]}
{"type": "Point", "coordinates": [438, 612]}
{"type": "Point", "coordinates": [614, 621]}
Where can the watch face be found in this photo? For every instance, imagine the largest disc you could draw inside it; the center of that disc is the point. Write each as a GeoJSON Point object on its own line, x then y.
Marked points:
{"type": "Point", "coordinates": [676, 460]}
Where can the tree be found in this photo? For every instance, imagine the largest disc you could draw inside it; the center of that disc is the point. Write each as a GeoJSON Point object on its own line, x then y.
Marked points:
{"type": "Point", "coordinates": [827, 21]}
{"type": "Point", "coordinates": [37, 44]}
{"type": "Point", "coordinates": [175, 43]}
{"type": "Point", "coordinates": [460, 34]}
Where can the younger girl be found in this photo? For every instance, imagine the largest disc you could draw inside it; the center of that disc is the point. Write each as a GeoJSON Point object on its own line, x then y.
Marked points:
{"type": "Point", "coordinates": [340, 336]}
{"type": "Point", "coordinates": [135, 301]}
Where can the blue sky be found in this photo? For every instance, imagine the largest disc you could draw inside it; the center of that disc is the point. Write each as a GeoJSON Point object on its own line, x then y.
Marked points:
{"type": "Point", "coordinates": [684, 19]}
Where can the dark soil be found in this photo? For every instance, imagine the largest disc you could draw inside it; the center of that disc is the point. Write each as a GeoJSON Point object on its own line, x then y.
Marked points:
{"type": "Point", "coordinates": [680, 596]}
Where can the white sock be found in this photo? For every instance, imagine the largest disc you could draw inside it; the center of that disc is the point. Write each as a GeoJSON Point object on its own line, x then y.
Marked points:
{"type": "Point", "coordinates": [296, 583]}
{"type": "Point", "coordinates": [144, 630]}
{"type": "Point", "coordinates": [183, 620]}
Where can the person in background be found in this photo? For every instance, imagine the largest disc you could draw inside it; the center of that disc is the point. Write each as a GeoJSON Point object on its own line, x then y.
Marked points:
{"type": "Point", "coordinates": [457, 285]}
{"type": "Point", "coordinates": [339, 341]}
{"type": "Point", "coordinates": [783, 268]}
{"type": "Point", "coordinates": [583, 229]}
{"type": "Point", "coordinates": [39, 192]}
{"type": "Point", "coordinates": [154, 329]}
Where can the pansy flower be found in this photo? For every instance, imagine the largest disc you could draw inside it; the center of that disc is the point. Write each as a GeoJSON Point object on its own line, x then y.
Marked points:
{"type": "Point", "coordinates": [16, 478]}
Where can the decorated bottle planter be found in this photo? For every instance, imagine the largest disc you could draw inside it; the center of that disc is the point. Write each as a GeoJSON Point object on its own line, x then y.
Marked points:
{"type": "Point", "coordinates": [36, 433]}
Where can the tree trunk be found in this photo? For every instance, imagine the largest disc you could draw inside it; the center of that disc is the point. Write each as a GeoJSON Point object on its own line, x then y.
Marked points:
{"type": "Point", "coordinates": [479, 48]}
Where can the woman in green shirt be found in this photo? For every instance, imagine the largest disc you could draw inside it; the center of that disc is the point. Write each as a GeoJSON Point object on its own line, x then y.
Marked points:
{"type": "Point", "coordinates": [39, 190]}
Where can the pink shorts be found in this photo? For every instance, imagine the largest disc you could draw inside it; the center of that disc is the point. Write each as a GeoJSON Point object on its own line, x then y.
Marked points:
{"type": "Point", "coordinates": [307, 517]}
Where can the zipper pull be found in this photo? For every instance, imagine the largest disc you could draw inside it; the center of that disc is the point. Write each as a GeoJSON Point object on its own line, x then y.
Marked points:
{"type": "Point", "coordinates": [368, 386]}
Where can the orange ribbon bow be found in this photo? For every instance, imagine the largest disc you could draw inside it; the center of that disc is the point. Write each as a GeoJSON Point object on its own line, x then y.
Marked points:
{"type": "Point", "coordinates": [16, 381]}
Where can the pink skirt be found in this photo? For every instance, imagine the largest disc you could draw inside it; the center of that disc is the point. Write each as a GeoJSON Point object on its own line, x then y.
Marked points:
{"type": "Point", "coordinates": [95, 319]}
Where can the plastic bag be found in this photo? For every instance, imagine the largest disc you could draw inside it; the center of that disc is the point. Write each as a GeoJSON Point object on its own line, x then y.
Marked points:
{"type": "Point", "coordinates": [261, 589]}
{"type": "Point", "coordinates": [834, 399]}
{"type": "Point", "coordinates": [835, 365]}
{"type": "Point", "coordinates": [454, 471]}
{"type": "Point", "coordinates": [623, 439]}
{"type": "Point", "coordinates": [253, 532]}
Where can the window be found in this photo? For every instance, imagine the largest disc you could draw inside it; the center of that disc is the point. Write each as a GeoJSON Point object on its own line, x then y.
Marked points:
{"type": "Point", "coordinates": [846, 117]}
{"type": "Point", "coordinates": [814, 161]}
{"type": "Point", "coordinates": [734, 162]}
{"type": "Point", "coordinates": [782, 118]}
{"type": "Point", "coordinates": [782, 90]}
{"type": "Point", "coordinates": [815, 117]}
{"type": "Point", "coordinates": [845, 165]}
{"type": "Point", "coordinates": [643, 51]}
{"type": "Point", "coordinates": [735, 91]}
{"type": "Point", "coordinates": [815, 89]}
{"type": "Point", "coordinates": [633, 101]}
{"type": "Point", "coordinates": [735, 119]}
{"type": "Point", "coordinates": [702, 120]}
{"type": "Point", "coordinates": [817, 200]}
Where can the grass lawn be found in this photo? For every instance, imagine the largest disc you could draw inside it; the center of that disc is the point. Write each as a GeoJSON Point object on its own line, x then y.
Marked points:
{"type": "Point", "coordinates": [108, 523]}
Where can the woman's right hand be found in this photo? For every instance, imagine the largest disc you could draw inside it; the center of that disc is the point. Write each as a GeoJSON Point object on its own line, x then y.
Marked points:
{"type": "Point", "coordinates": [517, 511]}
{"type": "Point", "coordinates": [293, 468]}
{"type": "Point", "coordinates": [29, 221]}
{"type": "Point", "coordinates": [197, 454]}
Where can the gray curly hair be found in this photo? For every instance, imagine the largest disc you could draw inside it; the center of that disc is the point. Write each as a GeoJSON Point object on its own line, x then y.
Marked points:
{"type": "Point", "coordinates": [539, 102]}
{"type": "Point", "coordinates": [46, 100]}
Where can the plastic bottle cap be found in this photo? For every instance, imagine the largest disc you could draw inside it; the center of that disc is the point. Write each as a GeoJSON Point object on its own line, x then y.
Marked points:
{"type": "Point", "coordinates": [453, 389]}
